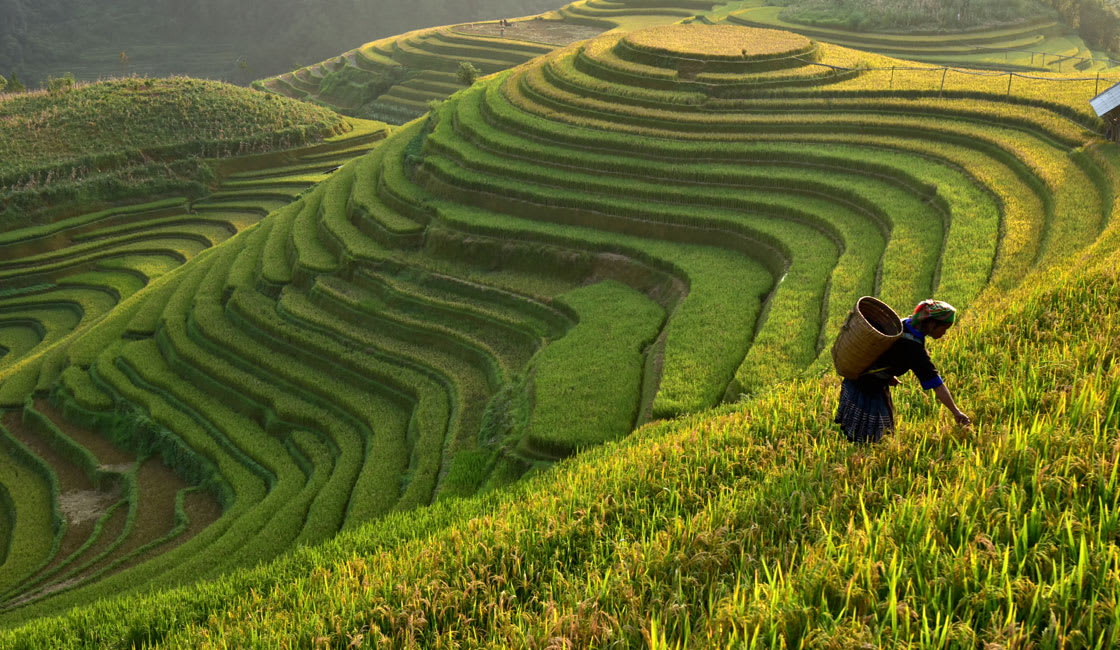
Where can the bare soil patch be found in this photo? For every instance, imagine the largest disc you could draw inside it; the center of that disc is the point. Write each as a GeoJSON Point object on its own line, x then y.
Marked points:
{"type": "Point", "coordinates": [549, 32]}
{"type": "Point", "coordinates": [81, 506]}
{"type": "Point", "coordinates": [106, 452]}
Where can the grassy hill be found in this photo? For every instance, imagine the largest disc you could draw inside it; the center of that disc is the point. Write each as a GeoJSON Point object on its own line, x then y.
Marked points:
{"type": "Point", "coordinates": [137, 138]}
{"type": "Point", "coordinates": [638, 227]}
{"type": "Point", "coordinates": [396, 78]}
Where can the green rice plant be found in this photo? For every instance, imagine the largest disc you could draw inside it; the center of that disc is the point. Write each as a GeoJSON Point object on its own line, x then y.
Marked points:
{"type": "Point", "coordinates": [369, 432]}
{"type": "Point", "coordinates": [437, 420]}
{"type": "Point", "coordinates": [35, 525]}
{"type": "Point", "coordinates": [587, 385]}
{"type": "Point", "coordinates": [971, 218]}
{"type": "Point", "coordinates": [36, 232]}
{"type": "Point", "coordinates": [702, 349]}
{"type": "Point", "coordinates": [275, 263]}
{"type": "Point", "coordinates": [83, 391]}
{"type": "Point", "coordinates": [306, 251]}
{"type": "Point", "coordinates": [18, 336]}
{"type": "Point", "coordinates": [1000, 516]}
{"type": "Point", "coordinates": [370, 214]}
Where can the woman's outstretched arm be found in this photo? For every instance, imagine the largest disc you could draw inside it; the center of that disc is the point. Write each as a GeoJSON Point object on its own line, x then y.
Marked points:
{"type": "Point", "coordinates": [946, 398]}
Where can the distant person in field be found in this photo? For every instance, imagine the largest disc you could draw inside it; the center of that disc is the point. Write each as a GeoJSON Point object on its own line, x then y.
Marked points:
{"type": "Point", "coordinates": [866, 409]}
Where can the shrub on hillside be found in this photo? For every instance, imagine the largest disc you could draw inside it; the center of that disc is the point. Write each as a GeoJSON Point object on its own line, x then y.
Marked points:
{"type": "Point", "coordinates": [58, 85]}
{"type": "Point", "coordinates": [467, 73]}
{"type": "Point", "coordinates": [15, 85]}
{"type": "Point", "coordinates": [3, 83]}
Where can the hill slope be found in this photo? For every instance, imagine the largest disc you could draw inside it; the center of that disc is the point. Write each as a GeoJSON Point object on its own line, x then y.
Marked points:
{"type": "Point", "coordinates": [639, 226]}
{"type": "Point", "coordinates": [137, 138]}
{"type": "Point", "coordinates": [751, 524]}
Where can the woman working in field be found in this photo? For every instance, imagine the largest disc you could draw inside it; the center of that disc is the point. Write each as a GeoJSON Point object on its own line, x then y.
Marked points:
{"type": "Point", "coordinates": [866, 409]}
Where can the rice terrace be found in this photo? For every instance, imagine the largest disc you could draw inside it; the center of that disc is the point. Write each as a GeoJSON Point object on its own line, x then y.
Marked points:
{"type": "Point", "coordinates": [517, 333]}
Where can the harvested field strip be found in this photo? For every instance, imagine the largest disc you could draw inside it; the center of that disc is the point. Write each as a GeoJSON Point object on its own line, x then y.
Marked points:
{"type": "Point", "coordinates": [525, 48]}
{"type": "Point", "coordinates": [263, 502]}
{"type": "Point", "coordinates": [457, 49]}
{"type": "Point", "coordinates": [73, 479]}
{"type": "Point", "coordinates": [597, 11]}
{"type": "Point", "coordinates": [35, 524]}
{"type": "Point", "coordinates": [116, 525]}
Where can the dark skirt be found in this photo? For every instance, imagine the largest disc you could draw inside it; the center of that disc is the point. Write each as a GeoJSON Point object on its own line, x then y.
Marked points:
{"type": "Point", "coordinates": [865, 410]}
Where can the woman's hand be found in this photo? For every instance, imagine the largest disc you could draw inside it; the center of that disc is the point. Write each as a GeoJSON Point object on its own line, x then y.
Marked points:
{"type": "Point", "coordinates": [962, 419]}
{"type": "Point", "coordinates": [893, 381]}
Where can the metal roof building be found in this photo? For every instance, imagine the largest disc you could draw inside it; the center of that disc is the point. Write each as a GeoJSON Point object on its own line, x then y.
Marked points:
{"type": "Point", "coordinates": [1106, 105]}
{"type": "Point", "coordinates": [1106, 101]}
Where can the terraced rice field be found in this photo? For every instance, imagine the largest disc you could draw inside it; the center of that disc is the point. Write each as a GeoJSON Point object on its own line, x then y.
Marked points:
{"type": "Point", "coordinates": [638, 226]}
{"type": "Point", "coordinates": [395, 79]}
{"type": "Point", "coordinates": [1032, 45]}
{"type": "Point", "coordinates": [105, 506]}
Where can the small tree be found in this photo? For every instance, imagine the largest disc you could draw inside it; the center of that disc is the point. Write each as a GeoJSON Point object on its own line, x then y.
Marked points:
{"type": "Point", "coordinates": [15, 86]}
{"type": "Point", "coordinates": [124, 64]}
{"type": "Point", "coordinates": [58, 85]}
{"type": "Point", "coordinates": [3, 83]}
{"type": "Point", "coordinates": [467, 73]}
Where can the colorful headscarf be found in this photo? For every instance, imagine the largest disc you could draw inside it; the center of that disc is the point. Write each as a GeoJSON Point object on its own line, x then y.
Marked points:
{"type": "Point", "coordinates": [937, 310]}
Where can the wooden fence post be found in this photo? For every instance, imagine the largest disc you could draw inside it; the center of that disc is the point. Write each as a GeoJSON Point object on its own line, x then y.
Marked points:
{"type": "Point", "coordinates": [1097, 88]}
{"type": "Point", "coordinates": [943, 73]}
{"type": "Point", "coordinates": [1010, 76]}
{"type": "Point", "coordinates": [892, 77]}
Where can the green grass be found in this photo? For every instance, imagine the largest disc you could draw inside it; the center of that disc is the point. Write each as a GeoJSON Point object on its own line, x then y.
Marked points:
{"type": "Point", "coordinates": [121, 139]}
{"type": "Point", "coordinates": [588, 384]}
{"type": "Point", "coordinates": [1010, 508]}
{"type": "Point", "coordinates": [554, 256]}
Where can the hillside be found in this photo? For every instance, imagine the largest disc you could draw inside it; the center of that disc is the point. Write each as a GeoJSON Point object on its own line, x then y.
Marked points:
{"type": "Point", "coordinates": [394, 79]}
{"type": "Point", "coordinates": [751, 525]}
{"type": "Point", "coordinates": [235, 41]}
{"type": "Point", "coordinates": [136, 138]}
{"type": "Point", "coordinates": [393, 367]}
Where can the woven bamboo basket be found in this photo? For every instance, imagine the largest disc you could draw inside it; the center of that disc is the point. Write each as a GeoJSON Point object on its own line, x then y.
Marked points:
{"type": "Point", "coordinates": [871, 328]}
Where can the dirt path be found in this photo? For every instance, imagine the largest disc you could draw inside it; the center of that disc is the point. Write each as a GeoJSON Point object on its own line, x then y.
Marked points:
{"type": "Point", "coordinates": [549, 32]}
